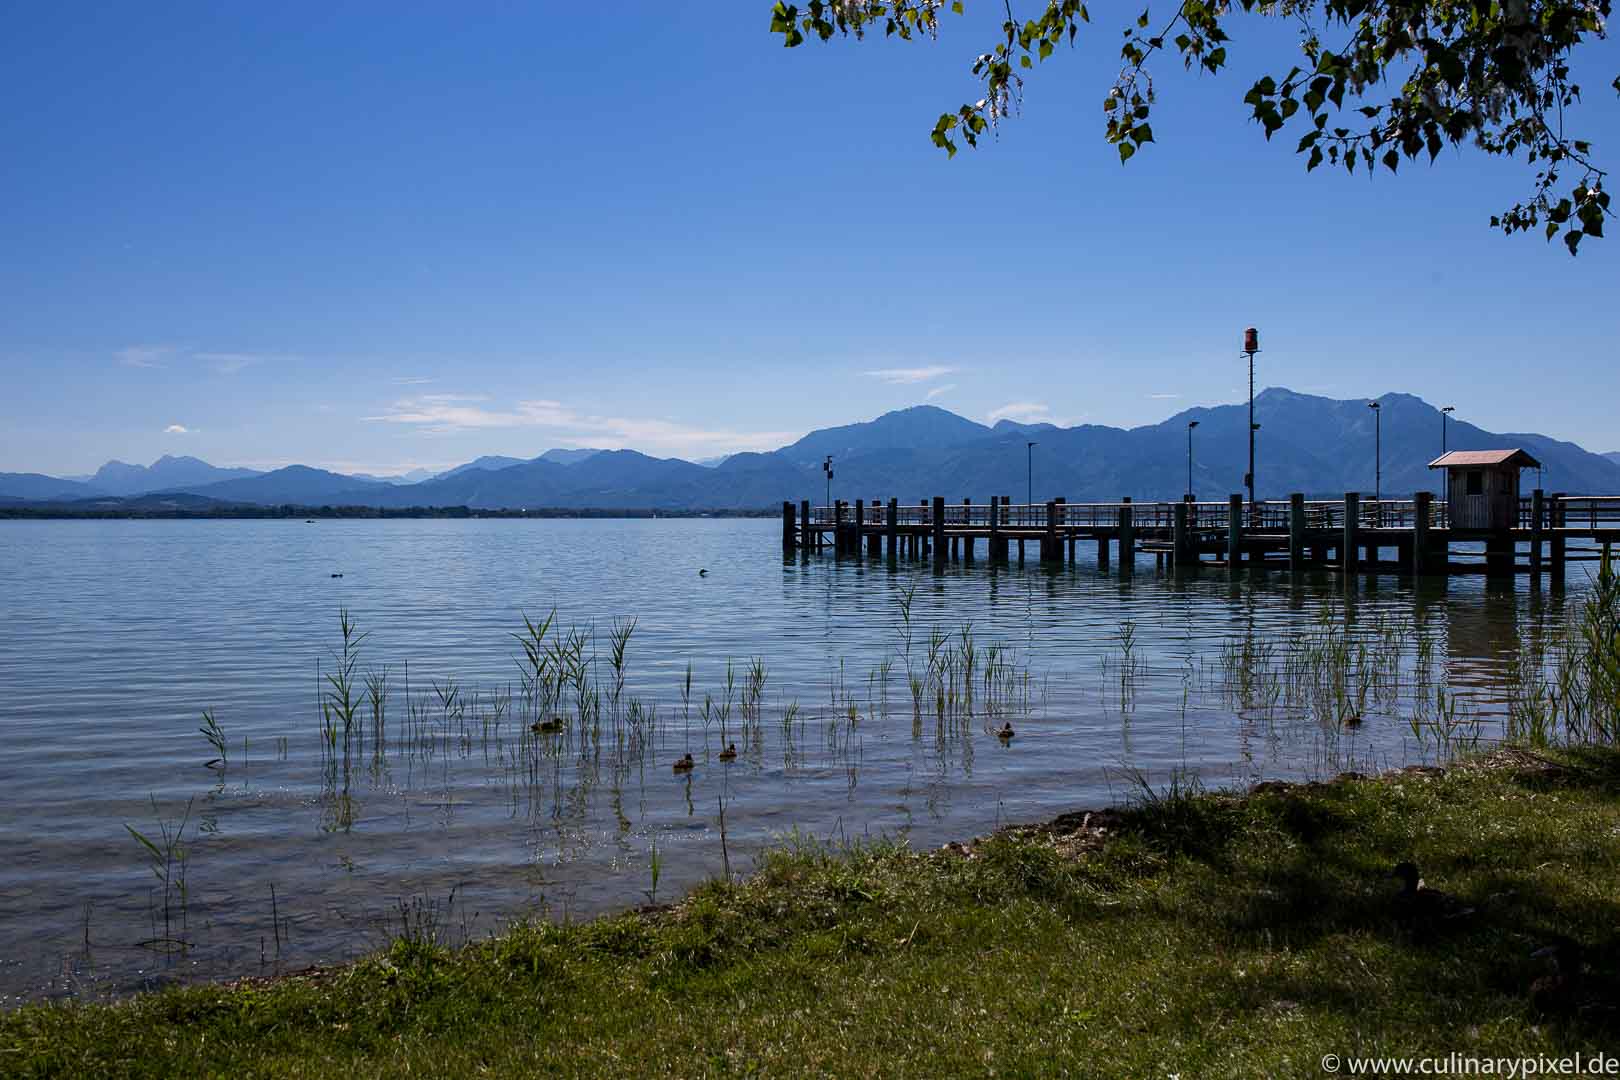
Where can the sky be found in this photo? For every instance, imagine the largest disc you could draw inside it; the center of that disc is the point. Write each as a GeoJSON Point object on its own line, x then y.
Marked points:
{"type": "Point", "coordinates": [379, 238]}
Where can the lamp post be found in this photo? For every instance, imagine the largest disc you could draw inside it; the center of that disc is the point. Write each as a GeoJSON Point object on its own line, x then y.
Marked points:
{"type": "Point", "coordinates": [826, 467]}
{"type": "Point", "coordinates": [1251, 345]}
{"type": "Point", "coordinates": [1444, 414]}
{"type": "Point", "coordinates": [1190, 425]}
{"type": "Point", "coordinates": [1378, 449]}
{"type": "Point", "coordinates": [1254, 507]}
{"type": "Point", "coordinates": [1029, 473]}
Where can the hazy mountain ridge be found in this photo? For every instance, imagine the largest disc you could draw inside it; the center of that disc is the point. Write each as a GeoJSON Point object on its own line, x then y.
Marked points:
{"type": "Point", "coordinates": [1321, 446]}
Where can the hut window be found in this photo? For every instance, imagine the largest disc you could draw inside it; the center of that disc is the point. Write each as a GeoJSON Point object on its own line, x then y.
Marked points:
{"type": "Point", "coordinates": [1476, 482]}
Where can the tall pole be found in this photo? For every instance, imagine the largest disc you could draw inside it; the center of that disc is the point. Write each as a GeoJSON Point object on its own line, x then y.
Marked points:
{"type": "Point", "coordinates": [1029, 473]}
{"type": "Point", "coordinates": [1251, 345]}
{"type": "Point", "coordinates": [1190, 425]}
{"type": "Point", "coordinates": [826, 467]}
{"type": "Point", "coordinates": [1445, 413]}
{"type": "Point", "coordinates": [1378, 450]}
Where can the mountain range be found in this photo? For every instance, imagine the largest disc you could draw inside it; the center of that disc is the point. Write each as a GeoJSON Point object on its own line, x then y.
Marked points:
{"type": "Point", "coordinates": [1317, 445]}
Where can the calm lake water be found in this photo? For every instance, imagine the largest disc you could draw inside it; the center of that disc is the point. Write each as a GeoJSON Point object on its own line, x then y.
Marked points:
{"type": "Point", "coordinates": [115, 637]}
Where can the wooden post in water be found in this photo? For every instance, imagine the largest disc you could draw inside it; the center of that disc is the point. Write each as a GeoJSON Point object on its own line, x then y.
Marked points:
{"type": "Point", "coordinates": [967, 522]}
{"type": "Point", "coordinates": [995, 528]}
{"type": "Point", "coordinates": [789, 540]}
{"type": "Point", "coordinates": [1058, 532]}
{"type": "Point", "coordinates": [938, 527]}
{"type": "Point", "coordinates": [1296, 532]}
{"type": "Point", "coordinates": [892, 526]}
{"type": "Point", "coordinates": [1178, 538]}
{"type": "Point", "coordinates": [1347, 548]}
{"type": "Point", "coordinates": [1556, 513]}
{"type": "Point", "coordinates": [1234, 531]}
{"type": "Point", "coordinates": [857, 536]}
{"type": "Point", "coordinates": [1050, 552]}
{"type": "Point", "coordinates": [1424, 501]}
{"type": "Point", "coordinates": [804, 525]}
{"type": "Point", "coordinates": [1538, 510]}
{"type": "Point", "coordinates": [1102, 553]}
{"type": "Point", "coordinates": [1127, 540]}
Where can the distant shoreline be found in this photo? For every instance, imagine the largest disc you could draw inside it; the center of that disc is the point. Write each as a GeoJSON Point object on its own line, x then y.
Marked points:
{"type": "Point", "coordinates": [259, 513]}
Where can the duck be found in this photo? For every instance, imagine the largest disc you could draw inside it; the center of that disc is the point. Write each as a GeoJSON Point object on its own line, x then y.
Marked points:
{"type": "Point", "coordinates": [547, 727]}
{"type": "Point", "coordinates": [337, 575]}
{"type": "Point", "coordinates": [1567, 988]}
{"type": "Point", "coordinates": [1006, 733]}
{"type": "Point", "coordinates": [729, 753]}
{"type": "Point", "coordinates": [1353, 720]}
{"type": "Point", "coordinates": [1421, 901]}
{"type": "Point", "coordinates": [685, 764]}
{"type": "Point", "coordinates": [703, 573]}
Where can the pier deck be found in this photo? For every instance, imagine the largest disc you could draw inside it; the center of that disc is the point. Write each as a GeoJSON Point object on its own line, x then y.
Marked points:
{"type": "Point", "coordinates": [1347, 535]}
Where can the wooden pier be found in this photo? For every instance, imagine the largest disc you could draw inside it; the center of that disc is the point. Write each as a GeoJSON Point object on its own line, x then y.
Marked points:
{"type": "Point", "coordinates": [1350, 535]}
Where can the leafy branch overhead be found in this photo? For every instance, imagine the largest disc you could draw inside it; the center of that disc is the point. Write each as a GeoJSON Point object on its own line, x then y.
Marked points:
{"type": "Point", "coordinates": [1381, 81]}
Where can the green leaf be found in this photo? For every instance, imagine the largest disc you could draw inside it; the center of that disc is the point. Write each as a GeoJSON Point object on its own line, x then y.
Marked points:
{"type": "Point", "coordinates": [956, 7]}
{"type": "Point", "coordinates": [1125, 152]}
{"type": "Point", "coordinates": [1142, 134]}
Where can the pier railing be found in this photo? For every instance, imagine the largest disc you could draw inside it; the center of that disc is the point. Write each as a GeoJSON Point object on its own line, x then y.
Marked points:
{"type": "Point", "coordinates": [1588, 512]}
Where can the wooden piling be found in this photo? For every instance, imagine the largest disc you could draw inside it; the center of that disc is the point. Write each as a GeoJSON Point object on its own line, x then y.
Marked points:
{"type": "Point", "coordinates": [1538, 509]}
{"type": "Point", "coordinates": [1102, 553]}
{"type": "Point", "coordinates": [1127, 541]}
{"type": "Point", "coordinates": [967, 521]}
{"type": "Point", "coordinates": [857, 534]}
{"type": "Point", "coordinates": [804, 525]}
{"type": "Point", "coordinates": [1234, 531]}
{"type": "Point", "coordinates": [790, 538]}
{"type": "Point", "coordinates": [1347, 548]}
{"type": "Point", "coordinates": [1419, 559]}
{"type": "Point", "coordinates": [1558, 544]}
{"type": "Point", "coordinates": [1178, 538]}
{"type": "Point", "coordinates": [1296, 532]}
{"type": "Point", "coordinates": [938, 528]}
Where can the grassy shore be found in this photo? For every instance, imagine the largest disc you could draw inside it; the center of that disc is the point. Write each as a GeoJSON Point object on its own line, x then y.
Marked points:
{"type": "Point", "coordinates": [1192, 934]}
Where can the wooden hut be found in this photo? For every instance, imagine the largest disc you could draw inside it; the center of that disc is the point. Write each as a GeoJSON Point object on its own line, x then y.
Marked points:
{"type": "Point", "coordinates": [1482, 487]}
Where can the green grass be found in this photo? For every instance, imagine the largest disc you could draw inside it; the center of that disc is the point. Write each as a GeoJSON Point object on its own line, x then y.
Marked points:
{"type": "Point", "coordinates": [1199, 934]}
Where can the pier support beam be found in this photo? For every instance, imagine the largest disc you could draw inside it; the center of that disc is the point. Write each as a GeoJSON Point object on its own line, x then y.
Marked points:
{"type": "Point", "coordinates": [1178, 538]}
{"type": "Point", "coordinates": [1558, 542]}
{"type": "Point", "coordinates": [1419, 563]}
{"type": "Point", "coordinates": [967, 522]}
{"type": "Point", "coordinates": [790, 539]}
{"type": "Point", "coordinates": [1499, 554]}
{"type": "Point", "coordinates": [1102, 553]}
{"type": "Point", "coordinates": [937, 522]}
{"type": "Point", "coordinates": [1050, 552]}
{"type": "Point", "coordinates": [1352, 515]}
{"type": "Point", "coordinates": [1538, 511]}
{"type": "Point", "coordinates": [1127, 541]}
{"type": "Point", "coordinates": [996, 554]}
{"type": "Point", "coordinates": [1234, 531]}
{"type": "Point", "coordinates": [857, 530]}
{"type": "Point", "coordinates": [1296, 532]}
{"type": "Point", "coordinates": [892, 526]}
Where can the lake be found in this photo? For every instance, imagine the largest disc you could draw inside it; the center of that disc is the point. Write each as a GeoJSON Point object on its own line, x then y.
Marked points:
{"type": "Point", "coordinates": [116, 637]}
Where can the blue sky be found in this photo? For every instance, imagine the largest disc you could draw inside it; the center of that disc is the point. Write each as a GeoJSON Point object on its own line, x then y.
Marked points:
{"type": "Point", "coordinates": [380, 237]}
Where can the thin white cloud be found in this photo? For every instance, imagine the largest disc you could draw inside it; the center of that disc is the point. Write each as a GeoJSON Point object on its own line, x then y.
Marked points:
{"type": "Point", "coordinates": [144, 356]}
{"type": "Point", "coordinates": [1023, 412]}
{"type": "Point", "coordinates": [177, 429]}
{"type": "Point", "coordinates": [442, 414]}
{"type": "Point", "coordinates": [938, 390]}
{"type": "Point", "coordinates": [412, 380]}
{"type": "Point", "coordinates": [906, 376]}
{"type": "Point", "coordinates": [229, 363]}
{"type": "Point", "coordinates": [1163, 397]}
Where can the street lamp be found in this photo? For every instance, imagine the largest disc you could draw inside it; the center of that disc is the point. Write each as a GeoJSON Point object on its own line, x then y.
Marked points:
{"type": "Point", "coordinates": [1378, 450]}
{"type": "Point", "coordinates": [1254, 507]}
{"type": "Point", "coordinates": [1190, 425]}
{"type": "Point", "coordinates": [1029, 471]}
{"type": "Point", "coordinates": [1444, 413]}
{"type": "Point", "coordinates": [1251, 345]}
{"type": "Point", "coordinates": [826, 467]}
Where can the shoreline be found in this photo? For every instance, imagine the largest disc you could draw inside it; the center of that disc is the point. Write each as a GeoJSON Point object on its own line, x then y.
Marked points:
{"type": "Point", "coordinates": [1104, 939]}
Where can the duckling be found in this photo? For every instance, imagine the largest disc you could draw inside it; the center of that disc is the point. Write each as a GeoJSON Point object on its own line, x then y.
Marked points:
{"type": "Point", "coordinates": [685, 764]}
{"type": "Point", "coordinates": [1006, 733]}
{"type": "Point", "coordinates": [337, 575]}
{"type": "Point", "coordinates": [729, 753]}
{"type": "Point", "coordinates": [1353, 720]}
{"type": "Point", "coordinates": [547, 727]}
{"type": "Point", "coordinates": [1420, 901]}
